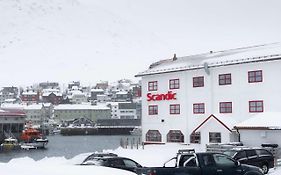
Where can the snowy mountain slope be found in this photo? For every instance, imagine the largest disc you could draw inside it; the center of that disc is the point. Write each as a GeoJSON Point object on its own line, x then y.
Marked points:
{"type": "Point", "coordinates": [65, 40]}
{"type": "Point", "coordinates": [90, 40]}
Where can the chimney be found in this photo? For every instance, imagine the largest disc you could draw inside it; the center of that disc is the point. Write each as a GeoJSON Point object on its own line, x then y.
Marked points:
{"type": "Point", "coordinates": [175, 57]}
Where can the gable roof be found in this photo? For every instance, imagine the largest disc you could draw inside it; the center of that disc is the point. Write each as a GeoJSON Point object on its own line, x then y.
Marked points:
{"type": "Point", "coordinates": [227, 122]}
{"type": "Point", "coordinates": [266, 52]}
{"type": "Point", "coordinates": [265, 120]}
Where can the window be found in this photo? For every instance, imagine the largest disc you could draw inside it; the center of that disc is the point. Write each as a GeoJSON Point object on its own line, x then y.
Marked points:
{"type": "Point", "coordinates": [208, 160]}
{"type": "Point", "coordinates": [225, 107]}
{"type": "Point", "coordinates": [224, 79]}
{"type": "Point", "coordinates": [130, 164]}
{"type": "Point", "coordinates": [251, 153]}
{"type": "Point", "coordinates": [214, 137]}
{"type": "Point", "coordinates": [198, 108]}
{"type": "Point", "coordinates": [152, 110]}
{"type": "Point", "coordinates": [198, 81]}
{"type": "Point", "coordinates": [223, 160]}
{"type": "Point", "coordinates": [153, 135]}
{"type": "Point", "coordinates": [255, 76]}
{"type": "Point", "coordinates": [262, 152]}
{"type": "Point", "coordinates": [174, 84]}
{"type": "Point", "coordinates": [256, 106]}
{"type": "Point", "coordinates": [240, 155]}
{"type": "Point", "coordinates": [175, 136]}
{"type": "Point", "coordinates": [175, 109]}
{"type": "Point", "coordinates": [195, 137]}
{"type": "Point", "coordinates": [152, 86]}
{"type": "Point", "coordinates": [187, 161]}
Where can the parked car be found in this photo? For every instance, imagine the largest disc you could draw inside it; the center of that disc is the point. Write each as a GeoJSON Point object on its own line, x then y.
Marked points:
{"type": "Point", "coordinates": [112, 160]}
{"type": "Point", "coordinates": [95, 155]}
{"type": "Point", "coordinates": [257, 156]}
{"type": "Point", "coordinates": [207, 163]}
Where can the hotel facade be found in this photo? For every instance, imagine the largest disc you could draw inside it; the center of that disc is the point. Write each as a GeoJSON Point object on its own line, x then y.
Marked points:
{"type": "Point", "coordinates": [201, 98]}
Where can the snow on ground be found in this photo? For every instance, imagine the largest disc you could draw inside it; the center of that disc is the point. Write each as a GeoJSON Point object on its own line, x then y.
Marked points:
{"type": "Point", "coordinates": [151, 155]}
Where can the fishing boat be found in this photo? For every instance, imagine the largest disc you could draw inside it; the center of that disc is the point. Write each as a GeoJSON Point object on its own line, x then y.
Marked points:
{"type": "Point", "coordinates": [33, 138]}
{"type": "Point", "coordinates": [10, 144]}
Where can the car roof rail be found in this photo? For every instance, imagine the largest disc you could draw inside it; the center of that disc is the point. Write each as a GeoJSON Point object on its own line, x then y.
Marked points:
{"type": "Point", "coordinates": [182, 151]}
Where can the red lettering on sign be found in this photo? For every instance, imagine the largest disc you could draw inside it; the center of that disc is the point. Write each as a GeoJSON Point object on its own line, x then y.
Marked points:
{"type": "Point", "coordinates": [159, 97]}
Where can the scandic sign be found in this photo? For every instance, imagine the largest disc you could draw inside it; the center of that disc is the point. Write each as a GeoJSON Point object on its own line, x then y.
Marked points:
{"type": "Point", "coordinates": [159, 97]}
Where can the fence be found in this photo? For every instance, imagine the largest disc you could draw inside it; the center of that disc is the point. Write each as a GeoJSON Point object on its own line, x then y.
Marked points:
{"type": "Point", "coordinates": [131, 143]}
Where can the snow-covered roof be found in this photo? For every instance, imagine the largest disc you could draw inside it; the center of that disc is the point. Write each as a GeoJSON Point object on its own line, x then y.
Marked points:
{"type": "Point", "coordinates": [122, 93]}
{"type": "Point", "coordinates": [47, 104]}
{"type": "Point", "coordinates": [29, 93]}
{"type": "Point", "coordinates": [213, 59]}
{"type": "Point", "coordinates": [33, 107]}
{"type": "Point", "coordinates": [11, 112]}
{"type": "Point", "coordinates": [97, 90]}
{"type": "Point", "coordinates": [77, 92]}
{"type": "Point", "coordinates": [12, 106]}
{"type": "Point", "coordinates": [48, 93]}
{"type": "Point", "coordinates": [50, 90]}
{"type": "Point", "coordinates": [80, 106]}
{"type": "Point", "coordinates": [10, 100]}
{"type": "Point", "coordinates": [265, 120]}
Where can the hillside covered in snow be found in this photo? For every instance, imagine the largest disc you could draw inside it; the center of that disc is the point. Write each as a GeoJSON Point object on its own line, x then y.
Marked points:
{"type": "Point", "coordinates": [91, 40]}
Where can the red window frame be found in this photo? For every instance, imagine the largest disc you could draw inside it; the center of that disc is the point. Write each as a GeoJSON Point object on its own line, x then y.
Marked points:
{"type": "Point", "coordinates": [174, 84]}
{"type": "Point", "coordinates": [195, 137]}
{"type": "Point", "coordinates": [255, 76]}
{"type": "Point", "coordinates": [224, 79]}
{"type": "Point", "coordinates": [225, 107]}
{"type": "Point", "coordinates": [153, 136]}
{"type": "Point", "coordinates": [198, 81]}
{"type": "Point", "coordinates": [175, 109]}
{"type": "Point", "coordinates": [175, 136]}
{"type": "Point", "coordinates": [152, 86]}
{"type": "Point", "coordinates": [153, 110]}
{"type": "Point", "coordinates": [199, 108]}
{"type": "Point", "coordinates": [255, 107]}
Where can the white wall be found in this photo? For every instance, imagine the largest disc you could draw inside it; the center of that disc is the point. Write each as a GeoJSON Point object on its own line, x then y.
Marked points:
{"type": "Point", "coordinates": [240, 92]}
{"type": "Point", "coordinates": [257, 137]}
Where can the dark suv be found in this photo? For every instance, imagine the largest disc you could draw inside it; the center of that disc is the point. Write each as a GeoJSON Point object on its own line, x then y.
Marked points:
{"type": "Point", "coordinates": [253, 156]}
{"type": "Point", "coordinates": [111, 160]}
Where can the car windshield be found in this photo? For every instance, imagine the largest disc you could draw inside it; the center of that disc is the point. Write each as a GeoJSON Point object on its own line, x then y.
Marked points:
{"type": "Point", "coordinates": [230, 153]}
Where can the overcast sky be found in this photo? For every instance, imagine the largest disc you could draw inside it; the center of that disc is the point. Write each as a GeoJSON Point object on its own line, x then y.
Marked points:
{"type": "Point", "coordinates": [92, 40]}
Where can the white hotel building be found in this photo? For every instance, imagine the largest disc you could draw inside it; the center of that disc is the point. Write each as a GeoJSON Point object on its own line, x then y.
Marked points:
{"type": "Point", "coordinates": [201, 98]}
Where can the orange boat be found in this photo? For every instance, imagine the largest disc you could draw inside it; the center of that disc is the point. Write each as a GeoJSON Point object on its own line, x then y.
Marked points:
{"type": "Point", "coordinates": [33, 138]}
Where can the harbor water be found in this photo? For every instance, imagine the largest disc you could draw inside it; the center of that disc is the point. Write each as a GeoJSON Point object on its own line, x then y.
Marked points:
{"type": "Point", "coordinates": [68, 147]}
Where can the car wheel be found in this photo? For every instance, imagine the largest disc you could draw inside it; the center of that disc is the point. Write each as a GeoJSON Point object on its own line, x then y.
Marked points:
{"type": "Point", "coordinates": [264, 168]}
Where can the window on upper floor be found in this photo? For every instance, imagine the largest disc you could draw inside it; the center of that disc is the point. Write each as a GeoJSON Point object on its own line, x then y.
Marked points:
{"type": "Point", "coordinates": [225, 107]}
{"type": "Point", "coordinates": [256, 106]}
{"type": "Point", "coordinates": [255, 76]}
{"type": "Point", "coordinates": [152, 86]}
{"type": "Point", "coordinates": [224, 79]}
{"type": "Point", "coordinates": [175, 109]}
{"type": "Point", "coordinates": [174, 84]}
{"type": "Point", "coordinates": [198, 81]}
{"type": "Point", "coordinates": [152, 110]}
{"type": "Point", "coordinates": [198, 108]}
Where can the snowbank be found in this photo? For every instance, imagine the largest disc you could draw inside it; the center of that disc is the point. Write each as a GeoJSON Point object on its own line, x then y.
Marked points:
{"type": "Point", "coordinates": [151, 155]}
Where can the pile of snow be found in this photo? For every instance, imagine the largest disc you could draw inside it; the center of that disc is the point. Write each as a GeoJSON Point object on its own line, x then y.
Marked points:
{"type": "Point", "coordinates": [151, 155]}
